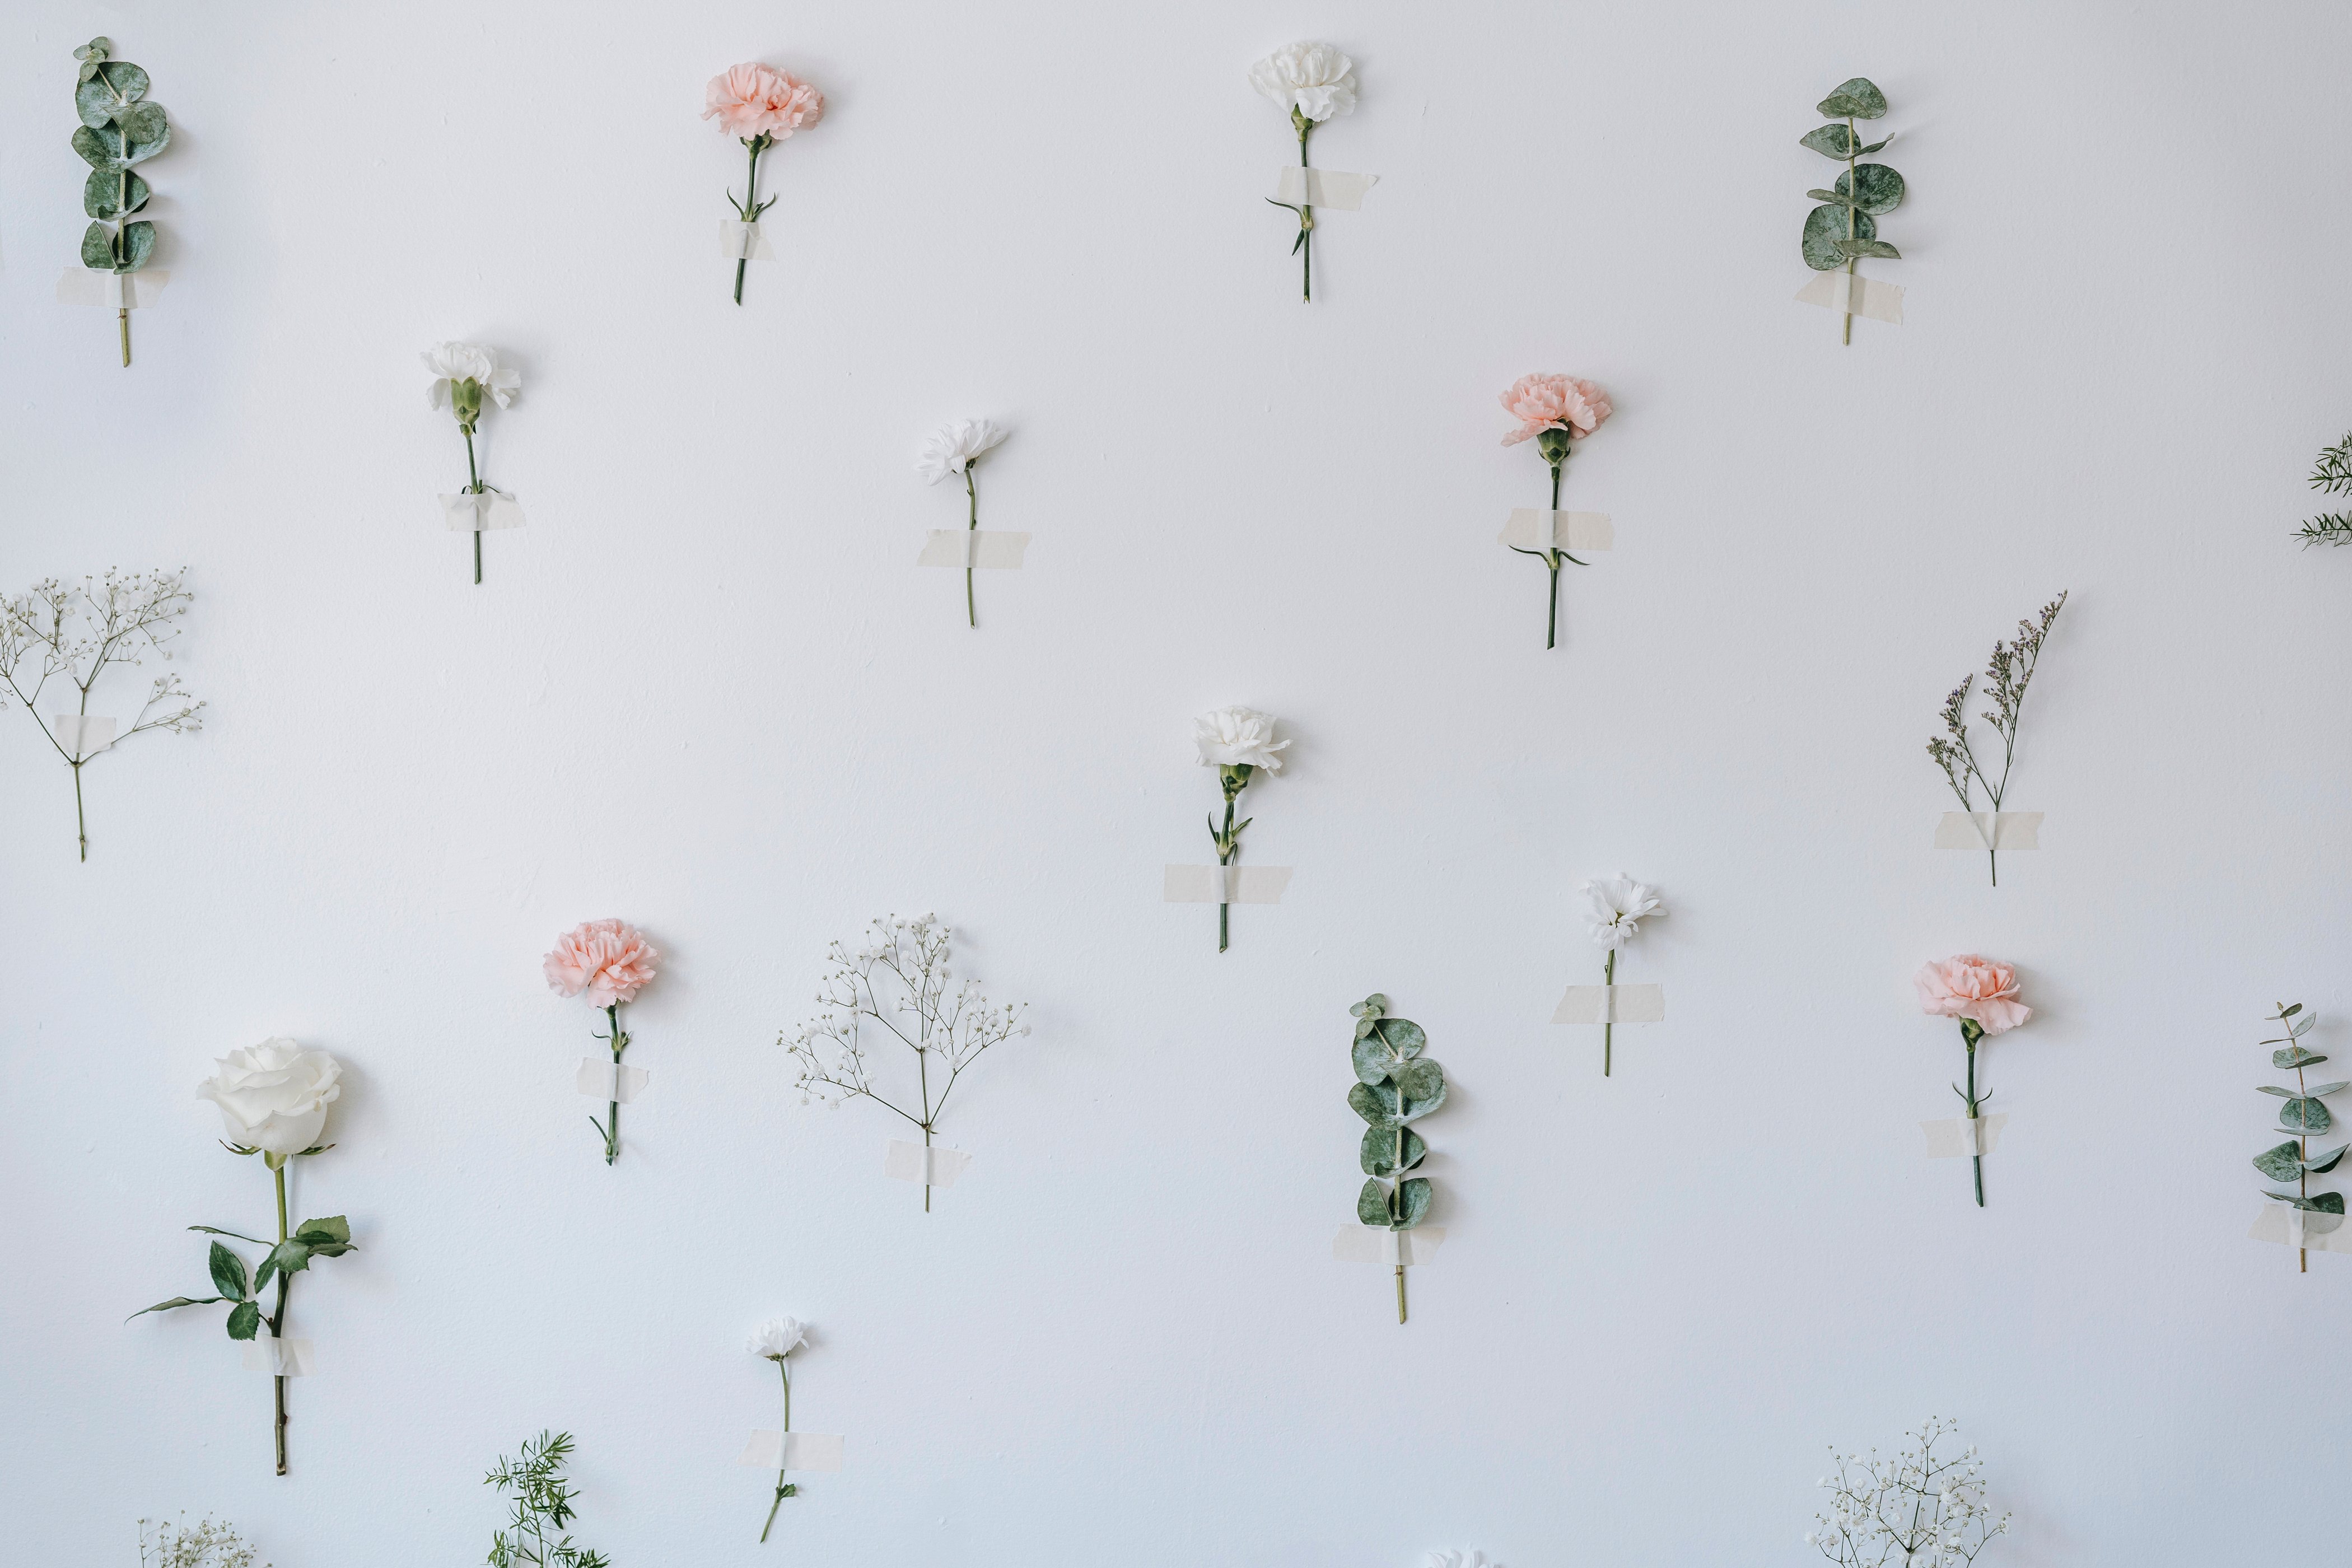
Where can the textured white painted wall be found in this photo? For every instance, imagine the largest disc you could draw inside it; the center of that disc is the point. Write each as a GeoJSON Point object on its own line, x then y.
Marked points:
{"type": "Point", "coordinates": [706, 690]}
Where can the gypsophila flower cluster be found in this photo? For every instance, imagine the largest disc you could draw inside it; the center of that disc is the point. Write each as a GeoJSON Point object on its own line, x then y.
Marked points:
{"type": "Point", "coordinates": [899, 981]}
{"type": "Point", "coordinates": [1914, 1509]}
{"type": "Point", "coordinates": [211, 1544]}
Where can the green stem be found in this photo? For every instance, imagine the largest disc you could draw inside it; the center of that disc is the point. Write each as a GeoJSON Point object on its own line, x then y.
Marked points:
{"type": "Point", "coordinates": [613, 1109]}
{"type": "Point", "coordinates": [1305, 225]}
{"type": "Point", "coordinates": [971, 491]}
{"type": "Point", "coordinates": [277, 1321]}
{"type": "Point", "coordinates": [1977, 1160]}
{"type": "Point", "coordinates": [1853, 194]}
{"type": "Point", "coordinates": [1608, 1027]}
{"type": "Point", "coordinates": [784, 1488]}
{"type": "Point", "coordinates": [1225, 858]}
{"type": "Point", "coordinates": [474, 487]}
{"type": "Point", "coordinates": [81, 827]}
{"type": "Point", "coordinates": [751, 208]}
{"type": "Point", "coordinates": [1400, 1292]}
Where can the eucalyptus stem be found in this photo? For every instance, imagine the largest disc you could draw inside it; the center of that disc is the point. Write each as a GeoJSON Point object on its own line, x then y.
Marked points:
{"type": "Point", "coordinates": [1400, 1274]}
{"type": "Point", "coordinates": [122, 319]}
{"type": "Point", "coordinates": [277, 1321]}
{"type": "Point", "coordinates": [1853, 193]}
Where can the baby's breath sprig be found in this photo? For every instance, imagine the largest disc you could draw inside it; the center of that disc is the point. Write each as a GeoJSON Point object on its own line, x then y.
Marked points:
{"type": "Point", "coordinates": [72, 633]}
{"type": "Point", "coordinates": [211, 1544]}
{"type": "Point", "coordinates": [907, 959]}
{"type": "Point", "coordinates": [2332, 473]}
{"type": "Point", "coordinates": [2007, 675]}
{"type": "Point", "coordinates": [1912, 1508]}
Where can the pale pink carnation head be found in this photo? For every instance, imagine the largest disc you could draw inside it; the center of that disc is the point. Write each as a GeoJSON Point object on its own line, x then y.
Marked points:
{"type": "Point", "coordinates": [754, 100]}
{"type": "Point", "coordinates": [610, 960]}
{"type": "Point", "coordinates": [1541, 403]}
{"type": "Point", "coordinates": [1972, 987]}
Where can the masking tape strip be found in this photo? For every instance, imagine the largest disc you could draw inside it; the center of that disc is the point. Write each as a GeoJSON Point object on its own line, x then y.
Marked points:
{"type": "Point", "coordinates": [2321, 1232]}
{"type": "Point", "coordinates": [1612, 1005]}
{"type": "Point", "coordinates": [1224, 884]}
{"type": "Point", "coordinates": [792, 1451]}
{"type": "Point", "coordinates": [1956, 1136]}
{"type": "Point", "coordinates": [280, 1358]}
{"type": "Point", "coordinates": [987, 548]}
{"type": "Point", "coordinates": [1988, 830]}
{"type": "Point", "coordinates": [83, 735]}
{"type": "Point", "coordinates": [1375, 1244]}
{"type": "Point", "coordinates": [740, 241]}
{"type": "Point", "coordinates": [1322, 188]}
{"type": "Point", "coordinates": [1878, 300]}
{"type": "Point", "coordinates": [113, 290]}
{"type": "Point", "coordinates": [934, 1166]}
{"type": "Point", "coordinates": [475, 513]}
{"type": "Point", "coordinates": [610, 1080]}
{"type": "Point", "coordinates": [1532, 528]}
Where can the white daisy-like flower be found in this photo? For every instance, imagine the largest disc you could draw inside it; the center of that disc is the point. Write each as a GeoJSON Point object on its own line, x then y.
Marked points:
{"type": "Point", "coordinates": [453, 363]}
{"type": "Point", "coordinates": [1461, 1560]}
{"type": "Point", "coordinates": [952, 449]}
{"type": "Point", "coordinates": [1620, 905]}
{"type": "Point", "coordinates": [1238, 737]}
{"type": "Point", "coordinates": [1316, 79]}
{"type": "Point", "coordinates": [777, 1338]}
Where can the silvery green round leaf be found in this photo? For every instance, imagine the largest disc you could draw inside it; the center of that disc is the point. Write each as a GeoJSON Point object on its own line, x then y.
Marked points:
{"type": "Point", "coordinates": [1824, 226]}
{"type": "Point", "coordinates": [1414, 1199]}
{"type": "Point", "coordinates": [95, 102]}
{"type": "Point", "coordinates": [1878, 187]}
{"type": "Point", "coordinates": [145, 131]}
{"type": "Point", "coordinates": [2328, 1203]}
{"type": "Point", "coordinates": [98, 247]}
{"type": "Point", "coordinates": [102, 195]}
{"type": "Point", "coordinates": [1377, 1155]}
{"type": "Point", "coordinates": [128, 82]}
{"type": "Point", "coordinates": [1372, 1007]}
{"type": "Point", "coordinates": [2283, 1164]}
{"type": "Point", "coordinates": [1857, 98]}
{"type": "Point", "coordinates": [2337, 1088]}
{"type": "Point", "coordinates": [1820, 195]}
{"type": "Point", "coordinates": [2295, 1056]}
{"type": "Point", "coordinates": [2319, 1165]}
{"type": "Point", "coordinates": [1372, 1060]}
{"type": "Point", "coordinates": [1830, 141]}
{"type": "Point", "coordinates": [2273, 1089]}
{"type": "Point", "coordinates": [2304, 1116]}
{"type": "Point", "coordinates": [101, 148]}
{"type": "Point", "coordinates": [1403, 1036]}
{"type": "Point", "coordinates": [138, 245]}
{"type": "Point", "coordinates": [1372, 1204]}
{"type": "Point", "coordinates": [95, 51]}
{"type": "Point", "coordinates": [1423, 1082]}
{"type": "Point", "coordinates": [1376, 1104]}
{"type": "Point", "coordinates": [1870, 247]}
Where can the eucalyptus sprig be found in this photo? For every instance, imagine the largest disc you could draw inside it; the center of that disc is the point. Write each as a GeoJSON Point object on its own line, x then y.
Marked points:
{"type": "Point", "coordinates": [2302, 1118]}
{"type": "Point", "coordinates": [118, 128]}
{"type": "Point", "coordinates": [2333, 474]}
{"type": "Point", "coordinates": [2007, 674]}
{"type": "Point", "coordinates": [1845, 228]}
{"type": "Point", "coordinates": [540, 1500]}
{"type": "Point", "coordinates": [1395, 1085]}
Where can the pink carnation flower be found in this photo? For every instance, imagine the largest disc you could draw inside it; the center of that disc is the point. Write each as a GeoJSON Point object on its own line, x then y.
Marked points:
{"type": "Point", "coordinates": [1972, 987]}
{"type": "Point", "coordinates": [1543, 402]}
{"type": "Point", "coordinates": [755, 101]}
{"type": "Point", "coordinates": [610, 960]}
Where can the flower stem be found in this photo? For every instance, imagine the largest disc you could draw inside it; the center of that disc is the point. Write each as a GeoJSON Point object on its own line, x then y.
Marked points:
{"type": "Point", "coordinates": [971, 491]}
{"type": "Point", "coordinates": [122, 319]}
{"type": "Point", "coordinates": [612, 1108]}
{"type": "Point", "coordinates": [474, 487]}
{"type": "Point", "coordinates": [1608, 1028]}
{"type": "Point", "coordinates": [81, 827]}
{"type": "Point", "coordinates": [1400, 1292]}
{"type": "Point", "coordinates": [1225, 858]}
{"type": "Point", "coordinates": [277, 1324]}
{"type": "Point", "coordinates": [750, 208]}
{"type": "Point", "coordinates": [784, 1488]}
{"type": "Point", "coordinates": [1551, 559]}
{"type": "Point", "coordinates": [1977, 1160]}
{"type": "Point", "coordinates": [1305, 225]}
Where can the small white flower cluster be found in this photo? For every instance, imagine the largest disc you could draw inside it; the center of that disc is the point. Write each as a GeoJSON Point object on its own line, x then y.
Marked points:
{"type": "Point", "coordinates": [72, 633]}
{"type": "Point", "coordinates": [924, 1010]}
{"type": "Point", "coordinates": [1914, 1509]}
{"type": "Point", "coordinates": [211, 1544]}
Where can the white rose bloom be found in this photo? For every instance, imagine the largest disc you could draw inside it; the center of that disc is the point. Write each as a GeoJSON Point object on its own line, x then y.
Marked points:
{"type": "Point", "coordinates": [952, 449]}
{"type": "Point", "coordinates": [1316, 79]}
{"type": "Point", "coordinates": [777, 1338]}
{"type": "Point", "coordinates": [1619, 907]}
{"type": "Point", "coordinates": [1232, 737]}
{"type": "Point", "coordinates": [454, 363]}
{"type": "Point", "coordinates": [273, 1096]}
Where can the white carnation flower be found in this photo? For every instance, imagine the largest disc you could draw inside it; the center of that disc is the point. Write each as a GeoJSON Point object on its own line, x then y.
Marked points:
{"type": "Point", "coordinates": [1619, 907]}
{"type": "Point", "coordinates": [952, 449]}
{"type": "Point", "coordinates": [1237, 737]}
{"type": "Point", "coordinates": [777, 1338]}
{"type": "Point", "coordinates": [1316, 79]}
{"type": "Point", "coordinates": [454, 363]}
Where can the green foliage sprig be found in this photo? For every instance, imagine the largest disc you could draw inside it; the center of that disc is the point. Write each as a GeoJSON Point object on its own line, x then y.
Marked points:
{"type": "Point", "coordinates": [540, 1500]}
{"type": "Point", "coordinates": [1845, 228]}
{"type": "Point", "coordinates": [2007, 675]}
{"type": "Point", "coordinates": [118, 129]}
{"type": "Point", "coordinates": [1395, 1085]}
{"type": "Point", "coordinates": [2302, 1118]}
{"type": "Point", "coordinates": [2333, 474]}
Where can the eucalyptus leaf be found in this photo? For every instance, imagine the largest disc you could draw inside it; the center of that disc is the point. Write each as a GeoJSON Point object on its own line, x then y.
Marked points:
{"type": "Point", "coordinates": [244, 1319]}
{"type": "Point", "coordinates": [2302, 1027]}
{"type": "Point", "coordinates": [2295, 1056]}
{"type": "Point", "coordinates": [179, 1302]}
{"type": "Point", "coordinates": [2327, 1088]}
{"type": "Point", "coordinates": [1378, 1154]}
{"type": "Point", "coordinates": [1372, 1060]}
{"type": "Point", "coordinates": [1371, 1207]}
{"type": "Point", "coordinates": [1421, 1080]}
{"type": "Point", "coordinates": [128, 82]}
{"type": "Point", "coordinates": [1375, 1103]}
{"type": "Point", "coordinates": [2304, 1116]}
{"type": "Point", "coordinates": [2273, 1089]}
{"type": "Point", "coordinates": [2290, 1010]}
{"type": "Point", "coordinates": [95, 102]}
{"type": "Point", "coordinates": [2328, 1203]}
{"type": "Point", "coordinates": [227, 1271]}
{"type": "Point", "coordinates": [145, 131]}
{"type": "Point", "coordinates": [1877, 188]}
{"type": "Point", "coordinates": [138, 245]}
{"type": "Point", "coordinates": [1824, 226]}
{"type": "Point", "coordinates": [1413, 1197]}
{"type": "Point", "coordinates": [2281, 1163]}
{"type": "Point", "coordinates": [1857, 98]}
{"type": "Point", "coordinates": [100, 149]}
{"type": "Point", "coordinates": [1832, 142]}
{"type": "Point", "coordinates": [1403, 1037]}
{"type": "Point", "coordinates": [1372, 1007]}
{"type": "Point", "coordinates": [1363, 1028]}
{"type": "Point", "coordinates": [1820, 195]}
{"type": "Point", "coordinates": [105, 188]}
{"type": "Point", "coordinates": [2321, 1164]}
{"type": "Point", "coordinates": [1875, 146]}
{"type": "Point", "coordinates": [98, 247]}
{"type": "Point", "coordinates": [1861, 247]}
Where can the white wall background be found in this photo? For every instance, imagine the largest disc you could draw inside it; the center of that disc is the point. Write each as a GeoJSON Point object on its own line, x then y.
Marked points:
{"type": "Point", "coordinates": [708, 690]}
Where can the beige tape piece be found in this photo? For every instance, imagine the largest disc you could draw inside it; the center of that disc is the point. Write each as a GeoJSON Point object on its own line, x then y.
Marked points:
{"type": "Point", "coordinates": [1322, 188]}
{"type": "Point", "coordinates": [1956, 1136]}
{"type": "Point", "coordinates": [280, 1358]}
{"type": "Point", "coordinates": [113, 290]}
{"type": "Point", "coordinates": [1878, 300]}
{"type": "Point", "coordinates": [934, 1166]}
{"type": "Point", "coordinates": [478, 514]}
{"type": "Point", "coordinates": [83, 735]}
{"type": "Point", "coordinates": [1375, 1244]}
{"type": "Point", "coordinates": [2320, 1232]}
{"type": "Point", "coordinates": [792, 1451]}
{"type": "Point", "coordinates": [1612, 1005]}
{"type": "Point", "coordinates": [1224, 884]}
{"type": "Point", "coordinates": [987, 548]}
{"type": "Point", "coordinates": [609, 1080]}
{"type": "Point", "coordinates": [1988, 830]}
{"type": "Point", "coordinates": [1532, 528]}
{"type": "Point", "coordinates": [739, 241]}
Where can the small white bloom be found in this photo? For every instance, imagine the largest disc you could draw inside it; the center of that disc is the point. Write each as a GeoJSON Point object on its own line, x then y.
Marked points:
{"type": "Point", "coordinates": [1620, 905]}
{"type": "Point", "coordinates": [952, 449]}
{"type": "Point", "coordinates": [1316, 79]}
{"type": "Point", "coordinates": [777, 1338]}
{"type": "Point", "coordinates": [453, 363]}
{"type": "Point", "coordinates": [273, 1096]}
{"type": "Point", "coordinates": [1460, 1560]}
{"type": "Point", "coordinates": [1235, 737]}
